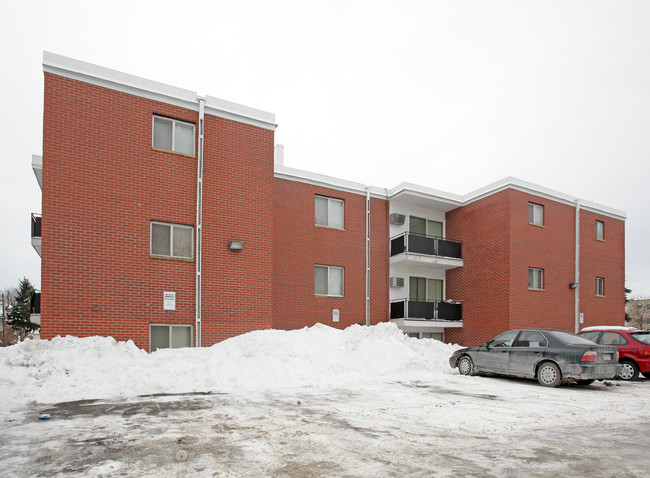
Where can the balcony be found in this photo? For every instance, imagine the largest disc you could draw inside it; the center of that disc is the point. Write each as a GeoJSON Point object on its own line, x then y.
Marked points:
{"type": "Point", "coordinates": [36, 232]}
{"type": "Point", "coordinates": [37, 167]}
{"type": "Point", "coordinates": [417, 248]}
{"type": "Point", "coordinates": [35, 312]}
{"type": "Point", "coordinates": [445, 313]}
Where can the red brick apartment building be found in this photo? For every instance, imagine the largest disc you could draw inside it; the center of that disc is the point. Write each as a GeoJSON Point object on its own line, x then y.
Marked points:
{"type": "Point", "coordinates": [169, 219]}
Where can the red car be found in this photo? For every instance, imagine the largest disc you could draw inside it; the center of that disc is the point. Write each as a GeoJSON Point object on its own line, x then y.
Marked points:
{"type": "Point", "coordinates": [633, 348]}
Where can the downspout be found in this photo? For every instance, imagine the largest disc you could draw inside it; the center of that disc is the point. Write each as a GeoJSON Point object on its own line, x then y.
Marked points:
{"type": "Point", "coordinates": [576, 279]}
{"type": "Point", "coordinates": [367, 255]}
{"type": "Point", "coordinates": [199, 220]}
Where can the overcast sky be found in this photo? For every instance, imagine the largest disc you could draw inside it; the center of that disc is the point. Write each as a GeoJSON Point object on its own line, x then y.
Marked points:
{"type": "Point", "coordinates": [452, 95]}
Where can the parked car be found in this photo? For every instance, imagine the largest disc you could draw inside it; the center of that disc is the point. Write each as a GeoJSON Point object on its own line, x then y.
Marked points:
{"type": "Point", "coordinates": [552, 357]}
{"type": "Point", "coordinates": [633, 348]}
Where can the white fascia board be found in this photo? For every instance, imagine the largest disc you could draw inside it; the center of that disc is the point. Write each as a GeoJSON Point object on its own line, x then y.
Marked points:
{"type": "Point", "coordinates": [153, 90]}
{"type": "Point", "coordinates": [407, 192]}
{"type": "Point", "coordinates": [291, 174]}
{"type": "Point", "coordinates": [540, 191]}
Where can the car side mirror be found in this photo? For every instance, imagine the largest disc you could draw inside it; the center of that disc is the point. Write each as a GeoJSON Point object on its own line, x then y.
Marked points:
{"type": "Point", "coordinates": [486, 345]}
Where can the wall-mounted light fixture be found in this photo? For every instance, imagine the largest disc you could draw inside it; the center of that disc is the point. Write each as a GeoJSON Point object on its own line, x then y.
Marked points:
{"type": "Point", "coordinates": [573, 285]}
{"type": "Point", "coordinates": [236, 245]}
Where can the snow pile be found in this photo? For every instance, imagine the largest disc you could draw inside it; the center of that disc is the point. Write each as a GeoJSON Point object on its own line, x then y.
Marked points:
{"type": "Point", "coordinates": [69, 368]}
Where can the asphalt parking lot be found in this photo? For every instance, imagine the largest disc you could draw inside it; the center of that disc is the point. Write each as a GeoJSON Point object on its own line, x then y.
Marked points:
{"type": "Point", "coordinates": [308, 433]}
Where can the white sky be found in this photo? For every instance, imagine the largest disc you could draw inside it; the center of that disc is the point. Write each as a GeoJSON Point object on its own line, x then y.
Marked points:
{"type": "Point", "coordinates": [449, 95]}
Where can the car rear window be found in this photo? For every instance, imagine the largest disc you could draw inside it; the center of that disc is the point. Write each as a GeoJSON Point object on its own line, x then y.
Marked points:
{"type": "Point", "coordinates": [571, 339]}
{"type": "Point", "coordinates": [643, 337]}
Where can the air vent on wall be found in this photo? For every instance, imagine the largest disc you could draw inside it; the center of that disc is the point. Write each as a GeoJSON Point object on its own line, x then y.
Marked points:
{"type": "Point", "coordinates": [397, 219]}
{"type": "Point", "coordinates": [397, 281]}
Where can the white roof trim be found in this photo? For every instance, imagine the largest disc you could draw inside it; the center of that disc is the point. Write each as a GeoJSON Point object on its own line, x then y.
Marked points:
{"type": "Point", "coordinates": [134, 85]}
{"type": "Point", "coordinates": [414, 190]}
{"type": "Point", "coordinates": [291, 174]}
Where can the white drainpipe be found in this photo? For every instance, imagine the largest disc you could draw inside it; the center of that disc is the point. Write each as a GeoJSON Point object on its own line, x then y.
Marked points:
{"type": "Point", "coordinates": [199, 220]}
{"type": "Point", "coordinates": [576, 290]}
{"type": "Point", "coordinates": [368, 256]}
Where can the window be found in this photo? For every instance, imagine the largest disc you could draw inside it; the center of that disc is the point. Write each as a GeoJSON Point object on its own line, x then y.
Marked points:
{"type": "Point", "coordinates": [328, 280]}
{"type": "Point", "coordinates": [169, 337]}
{"type": "Point", "coordinates": [425, 227]}
{"type": "Point", "coordinates": [329, 212]}
{"type": "Point", "coordinates": [535, 279]}
{"type": "Point", "coordinates": [504, 340]}
{"type": "Point", "coordinates": [422, 289]}
{"type": "Point", "coordinates": [593, 336]}
{"type": "Point", "coordinates": [535, 214]}
{"type": "Point", "coordinates": [172, 240]}
{"type": "Point", "coordinates": [530, 339]}
{"type": "Point", "coordinates": [612, 338]}
{"type": "Point", "coordinates": [600, 230]}
{"type": "Point", "coordinates": [600, 286]}
{"type": "Point", "coordinates": [173, 135]}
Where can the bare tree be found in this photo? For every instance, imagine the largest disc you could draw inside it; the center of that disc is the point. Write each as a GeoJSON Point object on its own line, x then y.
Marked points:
{"type": "Point", "coordinates": [638, 311]}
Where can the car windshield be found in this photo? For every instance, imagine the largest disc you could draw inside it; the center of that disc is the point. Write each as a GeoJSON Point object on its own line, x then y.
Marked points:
{"type": "Point", "coordinates": [643, 337]}
{"type": "Point", "coordinates": [571, 339]}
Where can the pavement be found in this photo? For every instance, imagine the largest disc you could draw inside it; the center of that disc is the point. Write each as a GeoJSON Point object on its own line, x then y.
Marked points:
{"type": "Point", "coordinates": [307, 434]}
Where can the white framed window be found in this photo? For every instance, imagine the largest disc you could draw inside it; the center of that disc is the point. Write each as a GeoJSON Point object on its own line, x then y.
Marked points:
{"type": "Point", "coordinates": [535, 214]}
{"type": "Point", "coordinates": [425, 227]}
{"type": "Point", "coordinates": [535, 278]}
{"type": "Point", "coordinates": [329, 212]}
{"type": "Point", "coordinates": [173, 135]}
{"type": "Point", "coordinates": [600, 230]}
{"type": "Point", "coordinates": [328, 280]}
{"type": "Point", "coordinates": [600, 286]}
{"type": "Point", "coordinates": [164, 336]}
{"type": "Point", "coordinates": [422, 289]}
{"type": "Point", "coordinates": [172, 240]}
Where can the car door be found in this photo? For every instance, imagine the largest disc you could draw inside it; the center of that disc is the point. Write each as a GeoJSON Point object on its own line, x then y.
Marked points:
{"type": "Point", "coordinates": [526, 352]}
{"type": "Point", "coordinates": [494, 355]}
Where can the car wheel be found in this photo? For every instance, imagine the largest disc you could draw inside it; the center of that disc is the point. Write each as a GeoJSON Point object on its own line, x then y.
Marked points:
{"type": "Point", "coordinates": [465, 365]}
{"type": "Point", "coordinates": [629, 371]}
{"type": "Point", "coordinates": [585, 382]}
{"type": "Point", "coordinates": [548, 374]}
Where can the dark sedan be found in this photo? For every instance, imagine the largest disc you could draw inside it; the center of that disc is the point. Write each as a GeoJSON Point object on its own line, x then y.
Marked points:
{"type": "Point", "coordinates": [552, 357]}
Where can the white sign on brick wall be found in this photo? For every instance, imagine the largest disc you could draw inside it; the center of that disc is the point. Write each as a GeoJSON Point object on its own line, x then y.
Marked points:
{"type": "Point", "coordinates": [169, 300]}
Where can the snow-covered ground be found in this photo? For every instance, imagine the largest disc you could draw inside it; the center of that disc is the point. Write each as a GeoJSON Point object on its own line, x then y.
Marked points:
{"type": "Point", "coordinates": [365, 401]}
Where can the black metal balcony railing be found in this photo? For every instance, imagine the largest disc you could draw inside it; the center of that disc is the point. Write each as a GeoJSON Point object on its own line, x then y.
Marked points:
{"type": "Point", "coordinates": [429, 309]}
{"type": "Point", "coordinates": [36, 225]}
{"type": "Point", "coordinates": [36, 303]}
{"type": "Point", "coordinates": [429, 245]}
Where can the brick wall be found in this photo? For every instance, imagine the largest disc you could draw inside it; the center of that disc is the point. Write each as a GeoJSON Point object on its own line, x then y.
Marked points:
{"type": "Point", "coordinates": [103, 184]}
{"type": "Point", "coordinates": [499, 246]}
{"type": "Point", "coordinates": [604, 259]}
{"type": "Point", "coordinates": [300, 245]}
{"type": "Point", "coordinates": [237, 205]}
{"type": "Point", "coordinates": [550, 247]}
{"type": "Point", "coordinates": [483, 281]}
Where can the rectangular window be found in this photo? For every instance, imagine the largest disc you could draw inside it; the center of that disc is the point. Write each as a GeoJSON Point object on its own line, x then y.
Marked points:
{"type": "Point", "coordinates": [600, 230]}
{"type": "Point", "coordinates": [173, 135]}
{"type": "Point", "coordinates": [169, 337]}
{"type": "Point", "coordinates": [328, 280]}
{"type": "Point", "coordinates": [422, 289]}
{"type": "Point", "coordinates": [535, 278]}
{"type": "Point", "coordinates": [329, 212]}
{"type": "Point", "coordinates": [600, 286]}
{"type": "Point", "coordinates": [425, 227]}
{"type": "Point", "coordinates": [171, 240]}
{"type": "Point", "coordinates": [535, 214]}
